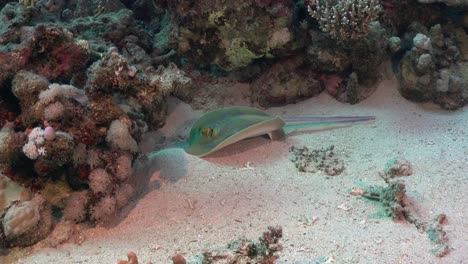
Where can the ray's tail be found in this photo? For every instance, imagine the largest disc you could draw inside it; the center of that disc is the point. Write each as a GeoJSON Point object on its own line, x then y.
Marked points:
{"type": "Point", "coordinates": [328, 120]}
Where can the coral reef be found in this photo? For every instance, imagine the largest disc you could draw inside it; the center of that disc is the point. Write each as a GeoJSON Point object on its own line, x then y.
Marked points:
{"type": "Point", "coordinates": [145, 89]}
{"type": "Point", "coordinates": [432, 70]}
{"type": "Point", "coordinates": [81, 82]}
{"type": "Point", "coordinates": [344, 69]}
{"type": "Point", "coordinates": [231, 35]}
{"type": "Point", "coordinates": [285, 82]}
{"type": "Point", "coordinates": [351, 62]}
{"type": "Point", "coordinates": [78, 91]}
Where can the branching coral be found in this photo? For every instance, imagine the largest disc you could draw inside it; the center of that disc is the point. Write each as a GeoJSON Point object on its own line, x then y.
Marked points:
{"type": "Point", "coordinates": [344, 19]}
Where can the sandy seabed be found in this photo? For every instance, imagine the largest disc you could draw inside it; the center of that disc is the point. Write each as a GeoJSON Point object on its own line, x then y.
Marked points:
{"type": "Point", "coordinates": [194, 205]}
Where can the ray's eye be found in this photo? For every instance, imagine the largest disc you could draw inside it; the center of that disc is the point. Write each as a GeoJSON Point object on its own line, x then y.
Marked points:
{"type": "Point", "coordinates": [207, 131]}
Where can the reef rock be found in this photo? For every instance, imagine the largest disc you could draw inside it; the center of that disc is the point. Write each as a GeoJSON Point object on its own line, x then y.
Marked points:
{"type": "Point", "coordinates": [11, 191]}
{"type": "Point", "coordinates": [433, 71]}
{"type": "Point", "coordinates": [349, 69]}
{"type": "Point", "coordinates": [285, 82]}
{"type": "Point", "coordinates": [148, 87]}
{"type": "Point", "coordinates": [25, 223]}
{"type": "Point", "coordinates": [231, 34]}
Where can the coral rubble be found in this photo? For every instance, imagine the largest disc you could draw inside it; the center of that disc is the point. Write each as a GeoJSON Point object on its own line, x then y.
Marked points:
{"type": "Point", "coordinates": [325, 160]}
{"type": "Point", "coordinates": [395, 204]}
{"type": "Point", "coordinates": [265, 251]}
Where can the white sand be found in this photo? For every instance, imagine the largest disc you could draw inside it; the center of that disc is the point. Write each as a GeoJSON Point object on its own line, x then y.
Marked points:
{"type": "Point", "coordinates": [194, 205]}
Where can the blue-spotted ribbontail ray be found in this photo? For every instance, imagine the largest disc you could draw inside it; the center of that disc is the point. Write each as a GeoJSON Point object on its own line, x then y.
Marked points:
{"type": "Point", "coordinates": [222, 127]}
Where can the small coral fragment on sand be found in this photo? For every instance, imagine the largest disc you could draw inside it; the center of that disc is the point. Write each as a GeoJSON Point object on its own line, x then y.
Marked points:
{"type": "Point", "coordinates": [131, 259]}
{"type": "Point", "coordinates": [392, 198]}
{"type": "Point", "coordinates": [178, 259]}
{"type": "Point", "coordinates": [246, 251]}
{"type": "Point", "coordinates": [398, 167]}
{"type": "Point", "coordinates": [396, 205]}
{"type": "Point", "coordinates": [438, 236]}
{"type": "Point", "coordinates": [325, 160]}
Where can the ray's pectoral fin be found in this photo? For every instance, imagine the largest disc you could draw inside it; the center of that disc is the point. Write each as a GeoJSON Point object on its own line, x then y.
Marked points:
{"type": "Point", "coordinates": [277, 134]}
